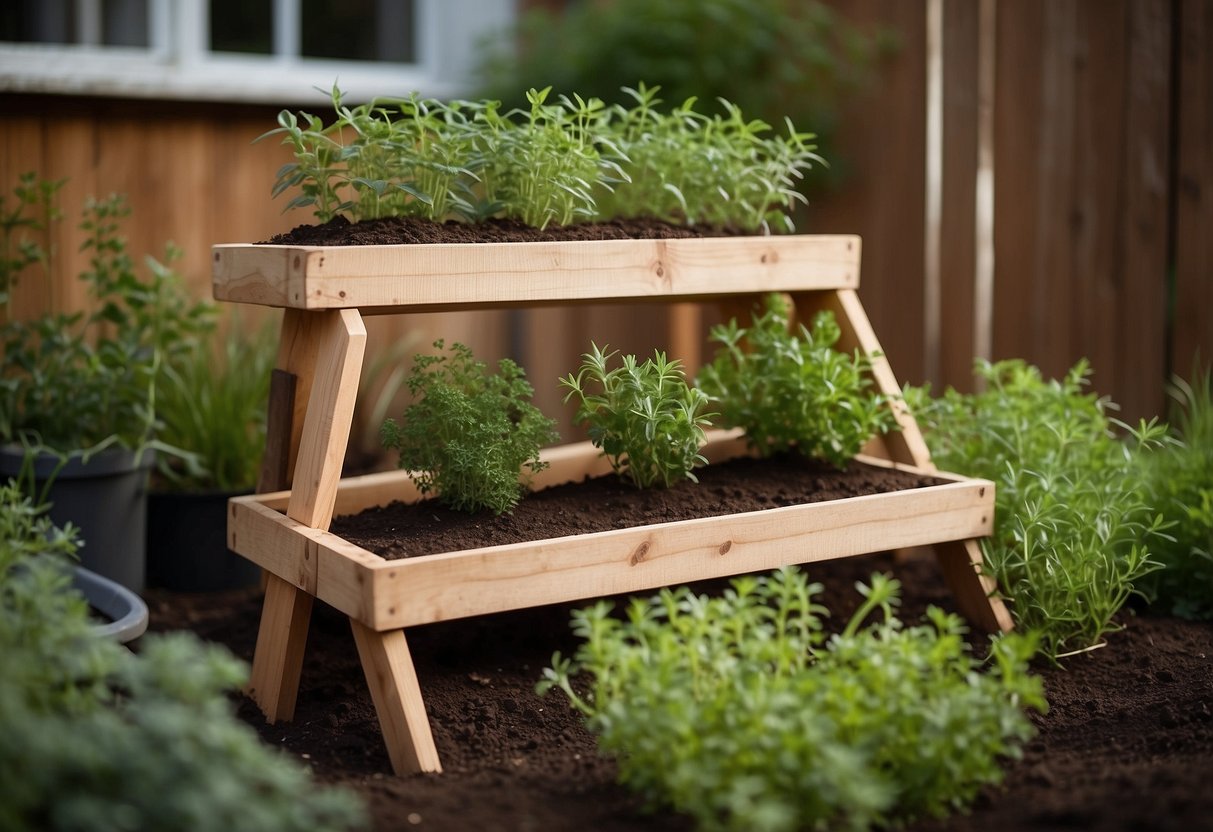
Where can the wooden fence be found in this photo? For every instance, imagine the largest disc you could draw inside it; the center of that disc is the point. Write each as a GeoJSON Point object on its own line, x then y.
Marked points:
{"type": "Point", "coordinates": [1094, 239]}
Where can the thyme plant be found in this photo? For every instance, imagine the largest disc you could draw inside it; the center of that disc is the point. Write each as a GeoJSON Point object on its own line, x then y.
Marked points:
{"type": "Point", "coordinates": [742, 712]}
{"type": "Point", "coordinates": [1074, 529]}
{"type": "Point", "coordinates": [790, 389]}
{"type": "Point", "coordinates": [647, 420]}
{"type": "Point", "coordinates": [469, 435]}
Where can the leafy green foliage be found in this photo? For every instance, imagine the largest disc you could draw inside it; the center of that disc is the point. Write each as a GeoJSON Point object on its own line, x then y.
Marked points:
{"type": "Point", "coordinates": [469, 434]}
{"type": "Point", "coordinates": [742, 712]}
{"type": "Point", "coordinates": [688, 167]}
{"type": "Point", "coordinates": [645, 418]}
{"type": "Point", "coordinates": [1074, 530]}
{"type": "Point", "coordinates": [214, 408]}
{"type": "Point", "coordinates": [557, 160]}
{"type": "Point", "coordinates": [33, 212]}
{"type": "Point", "coordinates": [792, 389]}
{"type": "Point", "coordinates": [98, 738]}
{"type": "Point", "coordinates": [77, 382]}
{"type": "Point", "coordinates": [1180, 476]}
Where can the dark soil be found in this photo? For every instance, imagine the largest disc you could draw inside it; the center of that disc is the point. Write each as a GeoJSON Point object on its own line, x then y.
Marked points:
{"type": "Point", "coordinates": [604, 503]}
{"type": "Point", "coordinates": [402, 230]}
{"type": "Point", "coordinates": [1126, 745]}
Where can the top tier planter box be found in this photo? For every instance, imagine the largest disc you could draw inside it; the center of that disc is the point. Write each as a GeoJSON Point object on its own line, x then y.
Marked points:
{"type": "Point", "coordinates": [325, 291]}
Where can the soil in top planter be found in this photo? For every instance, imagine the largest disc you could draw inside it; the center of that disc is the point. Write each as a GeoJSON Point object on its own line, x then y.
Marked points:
{"type": "Point", "coordinates": [402, 530]}
{"type": "Point", "coordinates": [404, 230]}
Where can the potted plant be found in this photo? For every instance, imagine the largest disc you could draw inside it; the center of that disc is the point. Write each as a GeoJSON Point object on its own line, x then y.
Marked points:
{"type": "Point", "coordinates": [78, 391]}
{"type": "Point", "coordinates": [213, 407]}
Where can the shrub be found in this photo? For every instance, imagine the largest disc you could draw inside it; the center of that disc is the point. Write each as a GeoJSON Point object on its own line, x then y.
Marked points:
{"type": "Point", "coordinates": [1074, 531]}
{"type": "Point", "coordinates": [741, 711]}
{"type": "Point", "coordinates": [645, 418]}
{"type": "Point", "coordinates": [469, 434]}
{"type": "Point", "coordinates": [97, 738]}
{"type": "Point", "coordinates": [792, 390]}
{"type": "Point", "coordinates": [1180, 476]}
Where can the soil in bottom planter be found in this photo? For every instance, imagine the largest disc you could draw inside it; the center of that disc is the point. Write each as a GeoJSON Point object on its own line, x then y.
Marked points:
{"type": "Point", "coordinates": [402, 530]}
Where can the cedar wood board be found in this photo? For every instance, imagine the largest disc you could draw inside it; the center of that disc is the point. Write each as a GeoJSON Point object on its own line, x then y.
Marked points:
{"type": "Point", "coordinates": [390, 594]}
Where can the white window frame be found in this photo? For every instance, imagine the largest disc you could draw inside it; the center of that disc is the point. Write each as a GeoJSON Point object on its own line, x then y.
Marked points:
{"type": "Point", "coordinates": [179, 65]}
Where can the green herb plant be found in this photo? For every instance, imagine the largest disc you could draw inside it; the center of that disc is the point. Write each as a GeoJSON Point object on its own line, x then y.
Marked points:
{"type": "Point", "coordinates": [102, 739]}
{"type": "Point", "coordinates": [83, 382]}
{"type": "Point", "coordinates": [1074, 530]}
{"type": "Point", "coordinates": [471, 436]}
{"type": "Point", "coordinates": [214, 407]}
{"type": "Point", "coordinates": [647, 420]}
{"type": "Point", "coordinates": [742, 712]}
{"type": "Point", "coordinates": [1180, 476]}
{"type": "Point", "coordinates": [558, 160]}
{"type": "Point", "coordinates": [33, 211]}
{"type": "Point", "coordinates": [791, 390]}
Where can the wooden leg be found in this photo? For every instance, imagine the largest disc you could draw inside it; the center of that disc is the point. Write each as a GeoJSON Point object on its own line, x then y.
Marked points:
{"type": "Point", "coordinates": [397, 696]}
{"type": "Point", "coordinates": [961, 562]}
{"type": "Point", "coordinates": [278, 657]}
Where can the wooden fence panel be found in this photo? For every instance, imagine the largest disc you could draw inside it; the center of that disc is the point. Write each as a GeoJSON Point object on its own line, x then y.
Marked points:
{"type": "Point", "coordinates": [1192, 320]}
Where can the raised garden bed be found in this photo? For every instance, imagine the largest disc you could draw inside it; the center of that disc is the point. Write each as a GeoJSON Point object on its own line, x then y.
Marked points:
{"type": "Point", "coordinates": [324, 290]}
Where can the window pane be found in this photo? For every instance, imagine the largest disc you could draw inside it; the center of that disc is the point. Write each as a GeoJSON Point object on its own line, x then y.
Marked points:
{"type": "Point", "coordinates": [38, 21]}
{"type": "Point", "coordinates": [242, 26]}
{"type": "Point", "coordinates": [124, 23]}
{"type": "Point", "coordinates": [359, 30]}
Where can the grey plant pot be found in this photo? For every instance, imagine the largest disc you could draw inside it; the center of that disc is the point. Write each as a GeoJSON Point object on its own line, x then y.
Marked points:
{"type": "Point", "coordinates": [106, 498]}
{"type": "Point", "coordinates": [126, 612]}
{"type": "Point", "coordinates": [187, 543]}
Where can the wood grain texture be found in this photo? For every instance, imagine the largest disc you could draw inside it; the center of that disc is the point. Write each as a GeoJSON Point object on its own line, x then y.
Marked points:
{"type": "Point", "coordinates": [278, 656]}
{"type": "Point", "coordinates": [974, 590]}
{"type": "Point", "coordinates": [397, 697]}
{"type": "Point", "coordinates": [1192, 333]}
{"type": "Point", "coordinates": [399, 277]}
{"type": "Point", "coordinates": [330, 411]}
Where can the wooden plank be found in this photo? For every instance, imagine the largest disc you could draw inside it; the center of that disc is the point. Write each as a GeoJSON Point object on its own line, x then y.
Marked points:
{"type": "Point", "coordinates": [881, 195]}
{"type": "Point", "coordinates": [1192, 334]}
{"type": "Point", "coordinates": [258, 532]}
{"type": "Point", "coordinates": [22, 141]}
{"type": "Point", "coordinates": [973, 589]}
{"type": "Point", "coordinates": [276, 461]}
{"type": "Point", "coordinates": [278, 656]}
{"type": "Point", "coordinates": [397, 697]}
{"type": "Point", "coordinates": [958, 254]}
{"type": "Point", "coordinates": [399, 277]}
{"type": "Point", "coordinates": [330, 411]}
{"type": "Point", "coordinates": [454, 585]}
{"type": "Point", "coordinates": [1141, 286]}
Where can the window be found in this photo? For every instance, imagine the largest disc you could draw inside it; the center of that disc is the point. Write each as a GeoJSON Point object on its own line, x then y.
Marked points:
{"type": "Point", "coordinates": [273, 51]}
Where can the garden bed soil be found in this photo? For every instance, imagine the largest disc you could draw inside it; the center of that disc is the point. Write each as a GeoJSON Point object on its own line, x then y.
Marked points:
{"type": "Point", "coordinates": [1127, 743]}
{"type": "Point", "coordinates": [405, 230]}
{"type": "Point", "coordinates": [604, 503]}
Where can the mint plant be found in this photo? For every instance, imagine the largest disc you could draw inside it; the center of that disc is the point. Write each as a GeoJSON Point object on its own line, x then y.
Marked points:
{"type": "Point", "coordinates": [1180, 477]}
{"type": "Point", "coordinates": [742, 712]}
{"type": "Point", "coordinates": [647, 420]}
{"type": "Point", "coordinates": [790, 389]}
{"type": "Point", "coordinates": [469, 435]}
{"type": "Point", "coordinates": [97, 737]}
{"type": "Point", "coordinates": [1074, 530]}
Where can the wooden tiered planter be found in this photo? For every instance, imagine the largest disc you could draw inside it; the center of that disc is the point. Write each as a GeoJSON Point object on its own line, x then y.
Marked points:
{"type": "Point", "coordinates": [324, 292]}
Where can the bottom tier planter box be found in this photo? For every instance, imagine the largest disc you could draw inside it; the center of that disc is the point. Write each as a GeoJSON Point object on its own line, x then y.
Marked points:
{"type": "Point", "coordinates": [388, 594]}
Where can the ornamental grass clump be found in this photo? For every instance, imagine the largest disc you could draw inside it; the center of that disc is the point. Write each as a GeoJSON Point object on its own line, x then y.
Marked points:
{"type": "Point", "coordinates": [647, 420]}
{"type": "Point", "coordinates": [742, 712]}
{"type": "Point", "coordinates": [1074, 529]}
{"type": "Point", "coordinates": [471, 436]}
{"type": "Point", "coordinates": [1180, 477]}
{"type": "Point", "coordinates": [791, 390]}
